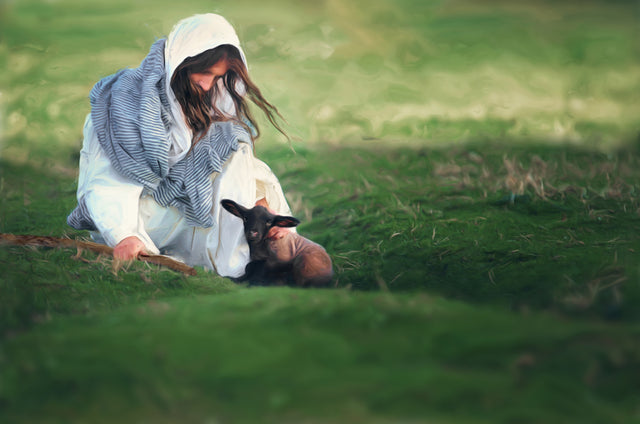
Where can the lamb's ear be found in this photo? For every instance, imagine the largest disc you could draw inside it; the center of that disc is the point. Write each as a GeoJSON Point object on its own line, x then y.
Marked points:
{"type": "Point", "coordinates": [285, 221]}
{"type": "Point", "coordinates": [233, 207]}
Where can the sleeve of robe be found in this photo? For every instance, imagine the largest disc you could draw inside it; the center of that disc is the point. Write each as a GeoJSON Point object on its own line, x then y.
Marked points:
{"type": "Point", "coordinates": [112, 200]}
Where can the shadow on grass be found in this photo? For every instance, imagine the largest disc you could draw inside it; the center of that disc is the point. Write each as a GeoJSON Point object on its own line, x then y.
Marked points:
{"type": "Point", "coordinates": [525, 226]}
{"type": "Point", "coordinates": [522, 226]}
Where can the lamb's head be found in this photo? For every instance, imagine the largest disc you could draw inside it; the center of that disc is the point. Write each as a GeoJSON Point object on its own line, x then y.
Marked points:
{"type": "Point", "coordinates": [258, 220]}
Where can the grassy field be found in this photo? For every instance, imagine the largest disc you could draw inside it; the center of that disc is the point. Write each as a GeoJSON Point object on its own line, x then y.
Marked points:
{"type": "Point", "coordinates": [472, 167]}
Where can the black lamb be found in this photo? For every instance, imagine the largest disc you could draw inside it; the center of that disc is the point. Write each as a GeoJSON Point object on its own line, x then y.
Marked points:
{"type": "Point", "coordinates": [292, 258]}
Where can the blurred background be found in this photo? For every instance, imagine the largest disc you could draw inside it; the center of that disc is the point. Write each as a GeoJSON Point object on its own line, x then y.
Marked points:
{"type": "Point", "coordinates": [386, 71]}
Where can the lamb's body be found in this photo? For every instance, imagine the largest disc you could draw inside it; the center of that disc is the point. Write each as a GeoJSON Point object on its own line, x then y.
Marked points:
{"type": "Point", "coordinates": [292, 258]}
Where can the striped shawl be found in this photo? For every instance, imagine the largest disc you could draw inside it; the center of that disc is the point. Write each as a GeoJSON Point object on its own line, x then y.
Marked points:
{"type": "Point", "coordinates": [132, 119]}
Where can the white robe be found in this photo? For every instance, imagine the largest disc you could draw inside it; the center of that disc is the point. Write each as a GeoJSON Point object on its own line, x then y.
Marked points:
{"type": "Point", "coordinates": [120, 207]}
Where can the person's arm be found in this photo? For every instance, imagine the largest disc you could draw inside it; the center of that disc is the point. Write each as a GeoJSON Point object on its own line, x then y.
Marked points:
{"type": "Point", "coordinates": [112, 201]}
{"type": "Point", "coordinates": [113, 207]}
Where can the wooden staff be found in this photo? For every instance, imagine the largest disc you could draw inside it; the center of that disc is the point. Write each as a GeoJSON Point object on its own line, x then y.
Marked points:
{"type": "Point", "coordinates": [48, 241]}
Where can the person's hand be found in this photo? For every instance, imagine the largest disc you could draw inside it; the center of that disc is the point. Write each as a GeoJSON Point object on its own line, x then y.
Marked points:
{"type": "Point", "coordinates": [276, 233]}
{"type": "Point", "coordinates": [128, 249]}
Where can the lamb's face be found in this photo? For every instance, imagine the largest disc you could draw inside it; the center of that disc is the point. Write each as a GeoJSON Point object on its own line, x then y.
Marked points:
{"type": "Point", "coordinates": [257, 223]}
{"type": "Point", "coordinates": [257, 220]}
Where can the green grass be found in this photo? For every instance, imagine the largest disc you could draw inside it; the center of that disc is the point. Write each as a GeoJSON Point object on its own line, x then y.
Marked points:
{"type": "Point", "coordinates": [471, 167]}
{"type": "Point", "coordinates": [288, 355]}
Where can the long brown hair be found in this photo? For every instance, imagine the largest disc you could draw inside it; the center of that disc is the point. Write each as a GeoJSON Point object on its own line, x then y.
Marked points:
{"type": "Point", "coordinates": [199, 106]}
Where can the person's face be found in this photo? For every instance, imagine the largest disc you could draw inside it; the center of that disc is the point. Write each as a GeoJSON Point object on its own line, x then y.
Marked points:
{"type": "Point", "coordinates": [208, 77]}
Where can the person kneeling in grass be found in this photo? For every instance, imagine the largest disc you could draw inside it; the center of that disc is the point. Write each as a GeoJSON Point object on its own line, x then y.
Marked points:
{"type": "Point", "coordinates": [166, 141]}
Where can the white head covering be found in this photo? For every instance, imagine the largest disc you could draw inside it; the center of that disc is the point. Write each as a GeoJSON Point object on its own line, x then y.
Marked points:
{"type": "Point", "coordinates": [194, 35]}
{"type": "Point", "coordinates": [188, 38]}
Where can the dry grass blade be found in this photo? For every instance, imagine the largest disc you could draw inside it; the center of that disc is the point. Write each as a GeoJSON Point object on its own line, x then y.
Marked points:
{"type": "Point", "coordinates": [610, 279]}
{"type": "Point", "coordinates": [518, 178]}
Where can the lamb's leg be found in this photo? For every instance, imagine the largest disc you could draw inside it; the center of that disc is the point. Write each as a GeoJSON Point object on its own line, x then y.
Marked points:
{"type": "Point", "coordinates": [253, 273]}
{"type": "Point", "coordinates": [312, 269]}
{"type": "Point", "coordinates": [259, 273]}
